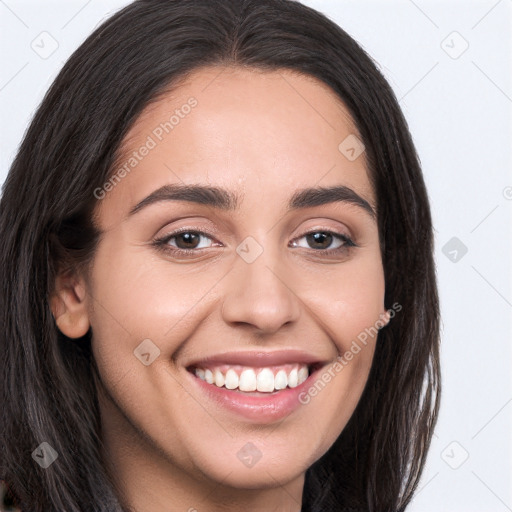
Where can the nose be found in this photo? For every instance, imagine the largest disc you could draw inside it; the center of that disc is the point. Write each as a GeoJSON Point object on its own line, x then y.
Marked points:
{"type": "Point", "coordinates": [260, 294]}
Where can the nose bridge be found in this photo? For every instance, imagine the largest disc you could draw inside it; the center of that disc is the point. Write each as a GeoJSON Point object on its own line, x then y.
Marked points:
{"type": "Point", "coordinates": [259, 290]}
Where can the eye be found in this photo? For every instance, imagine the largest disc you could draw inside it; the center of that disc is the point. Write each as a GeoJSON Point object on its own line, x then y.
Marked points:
{"type": "Point", "coordinates": [327, 242]}
{"type": "Point", "coordinates": [184, 241]}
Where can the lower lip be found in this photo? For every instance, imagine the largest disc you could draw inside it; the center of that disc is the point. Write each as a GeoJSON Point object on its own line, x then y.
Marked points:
{"type": "Point", "coordinates": [267, 408]}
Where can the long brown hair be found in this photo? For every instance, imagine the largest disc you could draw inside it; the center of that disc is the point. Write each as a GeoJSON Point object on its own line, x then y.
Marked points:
{"type": "Point", "coordinates": [47, 391]}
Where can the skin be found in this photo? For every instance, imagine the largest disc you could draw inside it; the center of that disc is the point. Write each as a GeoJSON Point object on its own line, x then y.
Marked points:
{"type": "Point", "coordinates": [262, 135]}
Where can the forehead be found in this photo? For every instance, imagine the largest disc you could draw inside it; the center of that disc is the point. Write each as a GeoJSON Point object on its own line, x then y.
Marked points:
{"type": "Point", "coordinates": [238, 88]}
{"type": "Point", "coordinates": [252, 131]}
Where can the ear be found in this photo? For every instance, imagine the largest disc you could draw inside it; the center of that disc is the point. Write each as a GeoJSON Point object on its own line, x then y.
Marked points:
{"type": "Point", "coordinates": [384, 318]}
{"type": "Point", "coordinates": [68, 305]}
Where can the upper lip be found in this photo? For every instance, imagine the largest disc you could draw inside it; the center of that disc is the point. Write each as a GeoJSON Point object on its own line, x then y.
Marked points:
{"type": "Point", "coordinates": [258, 358]}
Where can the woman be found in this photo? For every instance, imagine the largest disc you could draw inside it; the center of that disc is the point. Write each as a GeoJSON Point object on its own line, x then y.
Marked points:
{"type": "Point", "coordinates": [218, 282]}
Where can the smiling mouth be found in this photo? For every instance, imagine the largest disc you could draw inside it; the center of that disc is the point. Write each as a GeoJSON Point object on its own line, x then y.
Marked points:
{"type": "Point", "coordinates": [255, 380]}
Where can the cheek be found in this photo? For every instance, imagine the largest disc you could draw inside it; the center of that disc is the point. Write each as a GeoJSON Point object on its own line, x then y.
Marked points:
{"type": "Point", "coordinates": [137, 297]}
{"type": "Point", "coordinates": [347, 306]}
{"type": "Point", "coordinates": [347, 299]}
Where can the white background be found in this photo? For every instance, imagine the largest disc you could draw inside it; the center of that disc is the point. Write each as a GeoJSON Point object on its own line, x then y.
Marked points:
{"type": "Point", "coordinates": [458, 105]}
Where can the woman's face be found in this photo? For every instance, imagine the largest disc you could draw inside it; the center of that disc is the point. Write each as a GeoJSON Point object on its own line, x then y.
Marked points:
{"type": "Point", "coordinates": [277, 282]}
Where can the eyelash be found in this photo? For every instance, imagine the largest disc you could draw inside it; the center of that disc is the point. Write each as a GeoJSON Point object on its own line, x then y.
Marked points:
{"type": "Point", "coordinates": [162, 243]}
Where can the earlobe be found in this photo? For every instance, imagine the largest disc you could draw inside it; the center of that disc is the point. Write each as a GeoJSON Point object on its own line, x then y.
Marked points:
{"type": "Point", "coordinates": [384, 318]}
{"type": "Point", "coordinates": [69, 306]}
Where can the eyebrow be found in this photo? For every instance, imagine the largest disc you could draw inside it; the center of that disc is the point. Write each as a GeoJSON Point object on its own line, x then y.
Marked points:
{"type": "Point", "coordinates": [228, 200]}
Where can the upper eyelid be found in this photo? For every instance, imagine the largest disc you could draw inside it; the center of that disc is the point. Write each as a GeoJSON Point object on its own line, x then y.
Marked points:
{"type": "Point", "coordinates": [212, 226]}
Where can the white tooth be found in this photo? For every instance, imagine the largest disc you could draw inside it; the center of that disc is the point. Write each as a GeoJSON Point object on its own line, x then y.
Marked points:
{"type": "Point", "coordinates": [281, 380]}
{"type": "Point", "coordinates": [231, 379]}
{"type": "Point", "coordinates": [247, 380]}
{"type": "Point", "coordinates": [303, 374]}
{"type": "Point", "coordinates": [293, 378]}
{"type": "Point", "coordinates": [265, 381]}
{"type": "Point", "coordinates": [200, 373]}
{"type": "Point", "coordinates": [208, 376]}
{"type": "Point", "coordinates": [219, 378]}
